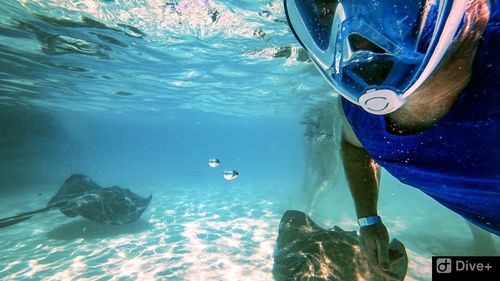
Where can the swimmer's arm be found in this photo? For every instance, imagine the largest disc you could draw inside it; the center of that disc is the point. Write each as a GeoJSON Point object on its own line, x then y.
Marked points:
{"type": "Point", "coordinates": [363, 174]}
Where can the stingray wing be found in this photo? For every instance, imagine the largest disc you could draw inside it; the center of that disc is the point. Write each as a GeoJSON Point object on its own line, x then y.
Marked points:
{"type": "Point", "coordinates": [111, 205]}
{"type": "Point", "coordinates": [76, 185]}
{"type": "Point", "coordinates": [303, 249]}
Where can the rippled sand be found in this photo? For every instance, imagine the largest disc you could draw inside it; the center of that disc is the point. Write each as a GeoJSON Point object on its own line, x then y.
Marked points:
{"type": "Point", "coordinates": [197, 233]}
{"type": "Point", "coordinates": [190, 234]}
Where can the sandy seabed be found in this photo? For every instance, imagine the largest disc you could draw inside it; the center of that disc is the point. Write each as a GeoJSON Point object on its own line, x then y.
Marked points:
{"type": "Point", "coordinates": [189, 233]}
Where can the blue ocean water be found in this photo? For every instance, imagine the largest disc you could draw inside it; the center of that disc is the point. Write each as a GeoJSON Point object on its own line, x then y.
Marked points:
{"type": "Point", "coordinates": [141, 94]}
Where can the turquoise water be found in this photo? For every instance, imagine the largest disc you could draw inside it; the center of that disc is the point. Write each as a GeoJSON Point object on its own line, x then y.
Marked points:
{"type": "Point", "coordinates": [141, 94]}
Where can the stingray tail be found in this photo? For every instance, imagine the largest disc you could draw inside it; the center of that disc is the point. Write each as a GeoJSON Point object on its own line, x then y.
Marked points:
{"type": "Point", "coordinates": [22, 217]}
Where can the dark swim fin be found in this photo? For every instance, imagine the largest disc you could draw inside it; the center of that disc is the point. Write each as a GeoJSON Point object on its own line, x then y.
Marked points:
{"type": "Point", "coordinates": [22, 217]}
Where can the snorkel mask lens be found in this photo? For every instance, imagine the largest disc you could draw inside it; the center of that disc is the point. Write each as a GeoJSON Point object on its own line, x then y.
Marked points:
{"type": "Point", "coordinates": [373, 53]}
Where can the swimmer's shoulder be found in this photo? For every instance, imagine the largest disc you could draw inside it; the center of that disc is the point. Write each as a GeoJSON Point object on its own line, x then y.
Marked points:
{"type": "Point", "coordinates": [348, 134]}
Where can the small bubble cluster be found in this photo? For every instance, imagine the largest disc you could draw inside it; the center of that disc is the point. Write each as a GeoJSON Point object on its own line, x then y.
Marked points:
{"type": "Point", "coordinates": [228, 174]}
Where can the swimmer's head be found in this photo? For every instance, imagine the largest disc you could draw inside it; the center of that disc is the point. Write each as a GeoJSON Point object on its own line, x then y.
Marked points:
{"type": "Point", "coordinates": [377, 53]}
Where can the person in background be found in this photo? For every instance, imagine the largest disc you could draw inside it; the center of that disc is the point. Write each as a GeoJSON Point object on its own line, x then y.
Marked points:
{"type": "Point", "coordinates": [420, 93]}
{"type": "Point", "coordinates": [321, 150]}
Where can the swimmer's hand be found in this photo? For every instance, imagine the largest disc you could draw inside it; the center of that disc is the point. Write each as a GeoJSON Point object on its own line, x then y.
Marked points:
{"type": "Point", "coordinates": [374, 240]}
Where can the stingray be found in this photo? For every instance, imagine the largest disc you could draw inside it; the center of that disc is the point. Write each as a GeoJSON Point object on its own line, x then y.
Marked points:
{"type": "Point", "coordinates": [80, 196]}
{"type": "Point", "coordinates": [305, 251]}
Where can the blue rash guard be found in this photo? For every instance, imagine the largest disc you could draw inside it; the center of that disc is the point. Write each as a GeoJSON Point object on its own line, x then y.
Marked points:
{"type": "Point", "coordinates": [457, 161]}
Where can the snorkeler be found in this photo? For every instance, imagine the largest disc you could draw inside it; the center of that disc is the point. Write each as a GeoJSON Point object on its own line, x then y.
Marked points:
{"type": "Point", "coordinates": [321, 149]}
{"type": "Point", "coordinates": [419, 86]}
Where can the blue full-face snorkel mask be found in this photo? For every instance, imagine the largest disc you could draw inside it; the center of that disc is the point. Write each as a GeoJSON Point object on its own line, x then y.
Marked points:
{"type": "Point", "coordinates": [375, 52]}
